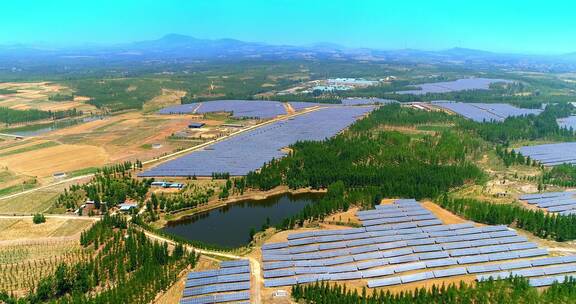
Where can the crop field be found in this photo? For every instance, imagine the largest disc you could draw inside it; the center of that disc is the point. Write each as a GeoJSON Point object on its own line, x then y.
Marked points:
{"type": "Point", "coordinates": [485, 112]}
{"type": "Point", "coordinates": [250, 150]}
{"type": "Point", "coordinates": [24, 263]}
{"type": "Point", "coordinates": [35, 95]}
{"type": "Point", "coordinates": [23, 228]}
{"type": "Point", "coordinates": [404, 245]}
{"type": "Point", "coordinates": [454, 86]}
{"type": "Point", "coordinates": [60, 158]}
{"type": "Point", "coordinates": [551, 154]}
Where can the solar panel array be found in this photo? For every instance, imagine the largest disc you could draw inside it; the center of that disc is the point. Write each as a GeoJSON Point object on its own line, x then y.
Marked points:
{"type": "Point", "coordinates": [551, 154]}
{"type": "Point", "coordinates": [366, 101]}
{"type": "Point", "coordinates": [398, 243]}
{"type": "Point", "coordinates": [563, 203]}
{"type": "Point", "coordinates": [485, 112]}
{"type": "Point", "coordinates": [567, 122]}
{"type": "Point", "coordinates": [454, 86]}
{"type": "Point", "coordinates": [230, 283]}
{"type": "Point", "coordinates": [263, 109]}
{"type": "Point", "coordinates": [249, 150]}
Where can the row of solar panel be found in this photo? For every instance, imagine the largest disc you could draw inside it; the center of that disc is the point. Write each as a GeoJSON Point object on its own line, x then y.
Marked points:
{"type": "Point", "coordinates": [551, 154]}
{"type": "Point", "coordinates": [233, 278]}
{"type": "Point", "coordinates": [234, 263]}
{"type": "Point", "coordinates": [548, 281]}
{"type": "Point", "coordinates": [529, 272]}
{"type": "Point", "coordinates": [189, 292]}
{"type": "Point", "coordinates": [218, 298]}
{"type": "Point", "coordinates": [441, 273]}
{"type": "Point", "coordinates": [404, 263]}
{"type": "Point", "coordinates": [419, 243]}
{"type": "Point", "coordinates": [377, 237]}
{"type": "Point", "coordinates": [437, 228]}
{"type": "Point", "coordinates": [391, 214]}
{"type": "Point", "coordinates": [219, 272]}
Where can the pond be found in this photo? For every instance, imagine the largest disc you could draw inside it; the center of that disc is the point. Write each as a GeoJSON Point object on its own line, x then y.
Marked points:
{"type": "Point", "coordinates": [230, 226]}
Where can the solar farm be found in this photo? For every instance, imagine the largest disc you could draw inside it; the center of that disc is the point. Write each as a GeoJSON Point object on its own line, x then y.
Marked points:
{"type": "Point", "coordinates": [403, 243]}
{"type": "Point", "coordinates": [562, 203]}
{"type": "Point", "coordinates": [229, 284]}
{"type": "Point", "coordinates": [551, 154]}
{"type": "Point", "coordinates": [249, 150]}
{"type": "Point", "coordinates": [454, 86]}
{"type": "Point", "coordinates": [262, 109]}
{"type": "Point", "coordinates": [485, 112]}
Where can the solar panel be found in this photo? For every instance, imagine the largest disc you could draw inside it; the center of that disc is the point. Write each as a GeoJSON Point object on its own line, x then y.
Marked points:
{"type": "Point", "coordinates": [450, 272]}
{"type": "Point", "coordinates": [433, 255]}
{"type": "Point", "coordinates": [371, 264]}
{"type": "Point", "coordinates": [416, 277]}
{"type": "Point", "coordinates": [547, 261]}
{"type": "Point", "coordinates": [229, 297]}
{"type": "Point", "coordinates": [234, 263]}
{"type": "Point", "coordinates": [275, 245]}
{"type": "Point", "coordinates": [342, 268]}
{"type": "Point", "coordinates": [367, 256]}
{"type": "Point", "coordinates": [384, 282]}
{"type": "Point", "coordinates": [309, 270]}
{"type": "Point", "coordinates": [483, 268]}
{"type": "Point", "coordinates": [473, 259]}
{"type": "Point", "coordinates": [280, 282]}
{"type": "Point", "coordinates": [278, 273]}
{"type": "Point", "coordinates": [494, 276]}
{"type": "Point", "coordinates": [441, 263]}
{"type": "Point", "coordinates": [458, 245]}
{"type": "Point", "coordinates": [515, 265]}
{"type": "Point", "coordinates": [410, 267]}
{"type": "Point", "coordinates": [533, 272]}
{"type": "Point", "coordinates": [377, 272]}
{"type": "Point", "coordinates": [532, 253]}
{"type": "Point", "coordinates": [397, 252]}
{"type": "Point", "coordinates": [277, 265]}
{"type": "Point", "coordinates": [353, 275]}
{"type": "Point", "coordinates": [307, 279]}
{"type": "Point", "coordinates": [502, 256]}
{"type": "Point", "coordinates": [427, 248]}
{"type": "Point", "coordinates": [363, 249]}
{"type": "Point", "coordinates": [403, 259]}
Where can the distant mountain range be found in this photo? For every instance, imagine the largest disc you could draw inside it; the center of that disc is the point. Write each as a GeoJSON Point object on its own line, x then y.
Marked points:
{"type": "Point", "coordinates": [180, 47]}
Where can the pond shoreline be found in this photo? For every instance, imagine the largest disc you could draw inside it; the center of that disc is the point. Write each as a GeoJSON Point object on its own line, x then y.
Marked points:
{"type": "Point", "coordinates": [254, 195]}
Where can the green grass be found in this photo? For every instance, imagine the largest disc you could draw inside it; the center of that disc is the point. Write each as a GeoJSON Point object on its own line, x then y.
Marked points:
{"type": "Point", "coordinates": [30, 148]}
{"type": "Point", "coordinates": [81, 172]}
{"type": "Point", "coordinates": [435, 128]}
{"type": "Point", "coordinates": [16, 188]}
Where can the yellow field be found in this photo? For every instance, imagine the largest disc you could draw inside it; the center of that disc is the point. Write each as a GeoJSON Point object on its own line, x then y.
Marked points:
{"type": "Point", "coordinates": [23, 264]}
{"type": "Point", "coordinates": [24, 228]}
{"type": "Point", "coordinates": [62, 158]}
{"type": "Point", "coordinates": [34, 95]}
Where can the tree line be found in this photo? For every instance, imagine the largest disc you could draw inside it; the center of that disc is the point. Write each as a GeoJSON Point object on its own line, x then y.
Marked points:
{"type": "Point", "coordinates": [12, 116]}
{"type": "Point", "coordinates": [512, 291]}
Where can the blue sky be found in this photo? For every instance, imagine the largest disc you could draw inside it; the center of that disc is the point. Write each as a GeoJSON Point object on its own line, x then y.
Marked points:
{"type": "Point", "coordinates": [503, 26]}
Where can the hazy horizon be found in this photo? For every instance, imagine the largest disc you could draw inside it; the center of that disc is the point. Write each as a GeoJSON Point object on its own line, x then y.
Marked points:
{"type": "Point", "coordinates": [513, 27]}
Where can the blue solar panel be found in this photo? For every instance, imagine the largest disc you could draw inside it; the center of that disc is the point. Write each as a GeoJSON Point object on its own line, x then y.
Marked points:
{"type": "Point", "coordinates": [450, 272]}
{"type": "Point", "coordinates": [278, 273]}
{"type": "Point", "coordinates": [371, 264]}
{"type": "Point", "coordinates": [433, 255]}
{"type": "Point", "coordinates": [234, 263]}
{"type": "Point", "coordinates": [483, 268]}
{"type": "Point", "coordinates": [403, 259]}
{"type": "Point", "coordinates": [473, 259]}
{"type": "Point", "coordinates": [274, 245]}
{"type": "Point", "coordinates": [384, 282]}
{"type": "Point", "coordinates": [441, 263]}
{"type": "Point", "coordinates": [515, 265]}
{"type": "Point", "coordinates": [410, 267]}
{"type": "Point", "coordinates": [277, 265]}
{"type": "Point", "coordinates": [280, 282]}
{"type": "Point", "coordinates": [353, 275]}
{"type": "Point", "coordinates": [416, 277]}
{"type": "Point", "coordinates": [483, 112]}
{"type": "Point", "coordinates": [260, 145]}
{"type": "Point", "coordinates": [377, 272]}
{"type": "Point", "coordinates": [229, 297]}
